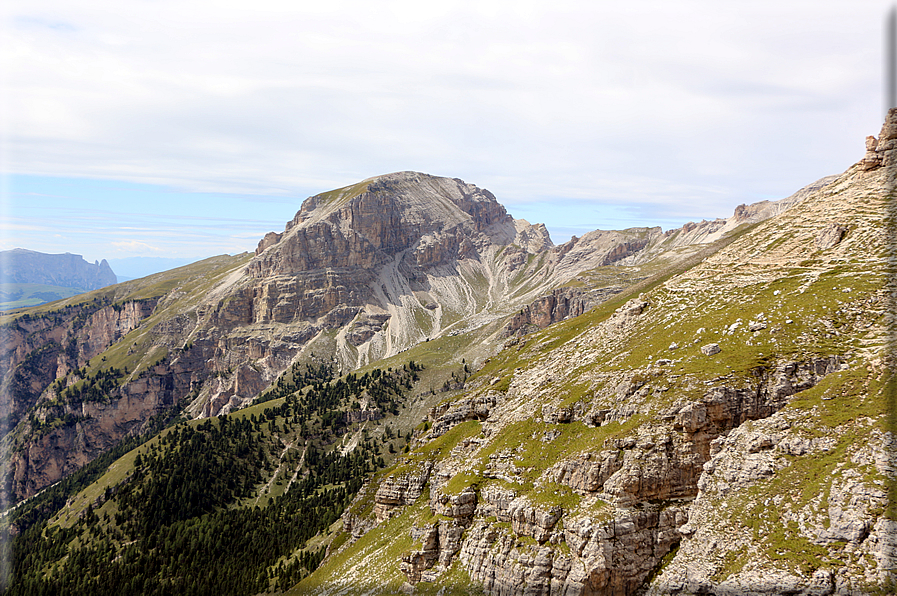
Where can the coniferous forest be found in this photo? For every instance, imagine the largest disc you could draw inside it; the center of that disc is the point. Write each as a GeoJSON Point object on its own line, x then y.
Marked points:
{"type": "Point", "coordinates": [226, 505]}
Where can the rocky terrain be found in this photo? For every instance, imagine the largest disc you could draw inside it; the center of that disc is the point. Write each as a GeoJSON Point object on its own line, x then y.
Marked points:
{"type": "Point", "coordinates": [726, 431]}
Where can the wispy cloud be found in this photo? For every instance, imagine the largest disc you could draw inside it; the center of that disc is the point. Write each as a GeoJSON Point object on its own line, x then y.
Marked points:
{"type": "Point", "coordinates": [135, 246]}
{"type": "Point", "coordinates": [13, 226]}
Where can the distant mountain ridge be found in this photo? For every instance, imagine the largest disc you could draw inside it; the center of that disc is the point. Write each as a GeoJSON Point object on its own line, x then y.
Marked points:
{"type": "Point", "coordinates": [31, 278]}
{"type": "Point", "coordinates": [24, 266]}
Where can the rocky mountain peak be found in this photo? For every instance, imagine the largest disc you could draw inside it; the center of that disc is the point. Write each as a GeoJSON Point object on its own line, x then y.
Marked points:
{"type": "Point", "coordinates": [411, 191]}
{"type": "Point", "coordinates": [376, 219]}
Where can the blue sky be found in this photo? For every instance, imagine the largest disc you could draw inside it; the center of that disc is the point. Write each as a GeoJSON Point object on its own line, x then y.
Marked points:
{"type": "Point", "coordinates": [173, 129]}
{"type": "Point", "coordinates": [115, 219]}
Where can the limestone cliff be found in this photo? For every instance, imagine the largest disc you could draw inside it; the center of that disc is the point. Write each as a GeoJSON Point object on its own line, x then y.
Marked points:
{"type": "Point", "coordinates": [38, 350]}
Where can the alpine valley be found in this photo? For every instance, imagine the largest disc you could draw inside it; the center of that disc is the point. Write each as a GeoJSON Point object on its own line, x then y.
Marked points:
{"type": "Point", "coordinates": [409, 391]}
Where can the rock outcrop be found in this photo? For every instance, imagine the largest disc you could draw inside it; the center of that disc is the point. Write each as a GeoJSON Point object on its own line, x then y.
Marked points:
{"type": "Point", "coordinates": [880, 152]}
{"type": "Point", "coordinates": [831, 236]}
{"type": "Point", "coordinates": [400, 490]}
{"type": "Point", "coordinates": [744, 465]}
{"type": "Point", "coordinates": [662, 462]}
{"type": "Point", "coordinates": [602, 558]}
{"type": "Point", "coordinates": [560, 304]}
{"type": "Point", "coordinates": [447, 415]}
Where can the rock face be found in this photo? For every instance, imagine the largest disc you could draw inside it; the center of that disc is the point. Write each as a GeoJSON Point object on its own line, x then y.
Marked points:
{"type": "Point", "coordinates": [746, 461]}
{"type": "Point", "coordinates": [398, 491]}
{"type": "Point", "coordinates": [66, 270]}
{"type": "Point", "coordinates": [607, 558]}
{"type": "Point", "coordinates": [434, 219]}
{"type": "Point", "coordinates": [93, 423]}
{"type": "Point", "coordinates": [37, 351]}
{"type": "Point", "coordinates": [556, 306]}
{"type": "Point", "coordinates": [367, 247]}
{"type": "Point", "coordinates": [448, 415]}
{"type": "Point", "coordinates": [97, 427]}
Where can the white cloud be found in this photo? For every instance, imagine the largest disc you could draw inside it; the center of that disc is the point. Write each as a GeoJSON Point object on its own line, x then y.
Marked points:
{"type": "Point", "coordinates": [134, 246]}
{"type": "Point", "coordinates": [692, 107]}
{"type": "Point", "coordinates": [13, 226]}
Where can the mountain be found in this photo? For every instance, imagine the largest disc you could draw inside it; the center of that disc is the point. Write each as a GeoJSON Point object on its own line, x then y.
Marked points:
{"type": "Point", "coordinates": [407, 390]}
{"type": "Point", "coordinates": [360, 274]}
{"type": "Point", "coordinates": [31, 278]}
{"type": "Point", "coordinates": [66, 270]}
